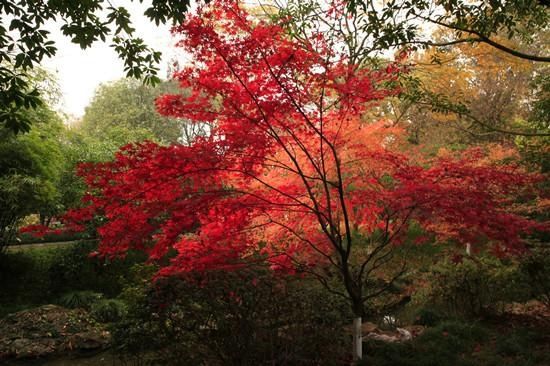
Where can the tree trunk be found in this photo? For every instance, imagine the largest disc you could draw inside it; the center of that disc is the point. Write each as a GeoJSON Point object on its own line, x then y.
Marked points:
{"type": "Point", "coordinates": [357, 339]}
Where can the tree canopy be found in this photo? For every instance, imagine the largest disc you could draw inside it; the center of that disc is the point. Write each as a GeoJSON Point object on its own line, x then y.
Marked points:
{"type": "Point", "coordinates": [129, 104]}
{"type": "Point", "coordinates": [398, 23]}
{"type": "Point", "coordinates": [31, 169]}
{"type": "Point", "coordinates": [25, 42]}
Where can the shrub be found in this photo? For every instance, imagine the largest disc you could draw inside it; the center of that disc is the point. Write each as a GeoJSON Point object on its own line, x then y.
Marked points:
{"type": "Point", "coordinates": [26, 238]}
{"type": "Point", "coordinates": [441, 345]}
{"type": "Point", "coordinates": [79, 299]}
{"type": "Point", "coordinates": [24, 276]}
{"type": "Point", "coordinates": [73, 270]}
{"type": "Point", "coordinates": [107, 311]}
{"type": "Point", "coordinates": [536, 269]}
{"type": "Point", "coordinates": [476, 286]}
{"type": "Point", "coordinates": [42, 275]}
{"type": "Point", "coordinates": [455, 343]}
{"type": "Point", "coordinates": [244, 318]}
{"type": "Point", "coordinates": [427, 317]}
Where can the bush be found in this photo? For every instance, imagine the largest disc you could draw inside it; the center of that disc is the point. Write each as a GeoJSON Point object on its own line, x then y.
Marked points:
{"type": "Point", "coordinates": [455, 343]}
{"type": "Point", "coordinates": [243, 318]}
{"type": "Point", "coordinates": [75, 270]}
{"type": "Point", "coordinates": [107, 311]}
{"type": "Point", "coordinates": [427, 317]}
{"type": "Point", "coordinates": [476, 286]}
{"type": "Point", "coordinates": [24, 277]}
{"type": "Point", "coordinates": [41, 275]}
{"type": "Point", "coordinates": [536, 269]}
{"type": "Point", "coordinates": [80, 299]}
{"type": "Point", "coordinates": [26, 238]}
{"type": "Point", "coordinates": [441, 345]}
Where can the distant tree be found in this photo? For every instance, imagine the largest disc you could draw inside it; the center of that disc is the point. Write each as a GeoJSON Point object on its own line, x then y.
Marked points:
{"type": "Point", "coordinates": [30, 169]}
{"type": "Point", "coordinates": [468, 94]}
{"type": "Point", "coordinates": [130, 104]}
{"type": "Point", "coordinates": [25, 42]}
{"type": "Point", "coordinates": [537, 150]}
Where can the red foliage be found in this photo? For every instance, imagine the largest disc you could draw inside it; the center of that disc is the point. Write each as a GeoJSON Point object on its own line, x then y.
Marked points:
{"type": "Point", "coordinates": [289, 173]}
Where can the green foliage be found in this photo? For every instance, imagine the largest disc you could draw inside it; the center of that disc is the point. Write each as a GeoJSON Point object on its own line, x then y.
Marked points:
{"type": "Point", "coordinates": [455, 343]}
{"type": "Point", "coordinates": [108, 310]}
{"type": "Point", "coordinates": [42, 275]}
{"type": "Point", "coordinates": [536, 150]}
{"type": "Point", "coordinates": [25, 42]}
{"type": "Point", "coordinates": [243, 318]}
{"type": "Point", "coordinates": [30, 168]}
{"type": "Point", "coordinates": [126, 108]}
{"type": "Point", "coordinates": [441, 345]}
{"type": "Point", "coordinates": [427, 317]}
{"type": "Point", "coordinates": [24, 277]}
{"type": "Point", "coordinates": [476, 286]}
{"type": "Point", "coordinates": [395, 23]}
{"type": "Point", "coordinates": [536, 271]}
{"type": "Point", "coordinates": [79, 299]}
{"type": "Point", "coordinates": [27, 238]}
{"type": "Point", "coordinates": [74, 269]}
{"type": "Point", "coordinates": [455, 337]}
{"type": "Point", "coordinates": [516, 343]}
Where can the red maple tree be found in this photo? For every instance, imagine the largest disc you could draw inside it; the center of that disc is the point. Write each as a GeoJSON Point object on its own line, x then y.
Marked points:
{"type": "Point", "coordinates": [291, 174]}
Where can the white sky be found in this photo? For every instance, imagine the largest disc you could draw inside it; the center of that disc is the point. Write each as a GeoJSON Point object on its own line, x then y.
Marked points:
{"type": "Point", "coordinates": [79, 72]}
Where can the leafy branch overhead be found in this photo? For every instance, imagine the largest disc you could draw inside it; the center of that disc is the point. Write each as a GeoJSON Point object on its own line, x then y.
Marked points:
{"type": "Point", "coordinates": [25, 42]}
{"type": "Point", "coordinates": [404, 23]}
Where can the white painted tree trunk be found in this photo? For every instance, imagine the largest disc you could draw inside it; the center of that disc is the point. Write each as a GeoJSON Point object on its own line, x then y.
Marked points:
{"type": "Point", "coordinates": [357, 339]}
{"type": "Point", "coordinates": [468, 249]}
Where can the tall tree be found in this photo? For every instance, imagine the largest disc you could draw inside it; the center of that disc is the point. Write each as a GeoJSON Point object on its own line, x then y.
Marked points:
{"type": "Point", "coordinates": [25, 41]}
{"type": "Point", "coordinates": [468, 94]}
{"type": "Point", "coordinates": [129, 104]}
{"type": "Point", "coordinates": [30, 169]}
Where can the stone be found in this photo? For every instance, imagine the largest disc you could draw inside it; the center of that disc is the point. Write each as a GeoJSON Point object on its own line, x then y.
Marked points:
{"type": "Point", "coordinates": [49, 330]}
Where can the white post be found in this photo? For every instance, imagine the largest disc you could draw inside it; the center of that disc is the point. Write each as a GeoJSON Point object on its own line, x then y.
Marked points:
{"type": "Point", "coordinates": [357, 339]}
{"type": "Point", "coordinates": [468, 249]}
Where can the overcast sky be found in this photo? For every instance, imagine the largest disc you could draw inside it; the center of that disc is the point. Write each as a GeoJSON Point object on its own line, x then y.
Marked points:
{"type": "Point", "coordinates": [79, 72]}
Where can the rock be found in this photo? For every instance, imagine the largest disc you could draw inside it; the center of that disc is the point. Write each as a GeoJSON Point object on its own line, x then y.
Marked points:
{"type": "Point", "coordinates": [415, 330]}
{"type": "Point", "coordinates": [382, 337]}
{"type": "Point", "coordinates": [368, 327]}
{"type": "Point", "coordinates": [372, 331]}
{"type": "Point", "coordinates": [49, 330]}
{"type": "Point", "coordinates": [404, 334]}
{"type": "Point", "coordinates": [29, 348]}
{"type": "Point", "coordinates": [88, 341]}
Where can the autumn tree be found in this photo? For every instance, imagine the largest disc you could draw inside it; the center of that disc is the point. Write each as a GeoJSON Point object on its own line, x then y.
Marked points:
{"type": "Point", "coordinates": [468, 94]}
{"type": "Point", "coordinates": [291, 175]}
